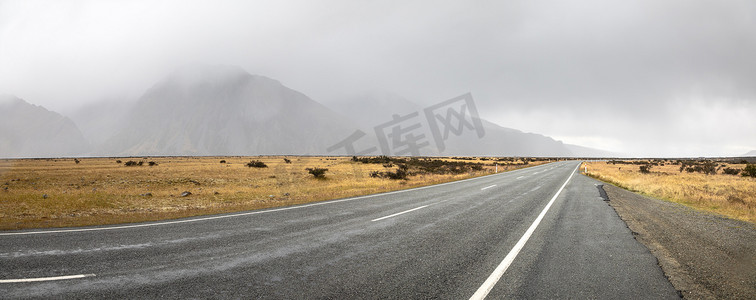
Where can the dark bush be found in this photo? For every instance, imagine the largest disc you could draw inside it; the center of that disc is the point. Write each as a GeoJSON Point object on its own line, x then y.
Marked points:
{"type": "Point", "coordinates": [131, 163]}
{"type": "Point", "coordinates": [749, 171]}
{"type": "Point", "coordinates": [140, 163]}
{"type": "Point", "coordinates": [709, 168]}
{"type": "Point", "coordinates": [399, 174]}
{"type": "Point", "coordinates": [223, 161]}
{"type": "Point", "coordinates": [256, 164]}
{"type": "Point", "coordinates": [76, 160]}
{"type": "Point", "coordinates": [402, 172]}
{"type": "Point", "coordinates": [118, 161]}
{"type": "Point", "coordinates": [706, 167]}
{"type": "Point", "coordinates": [317, 172]}
{"type": "Point", "coordinates": [422, 165]}
{"type": "Point", "coordinates": [731, 171]}
{"type": "Point", "coordinates": [645, 169]}
{"type": "Point", "coordinates": [152, 164]}
{"type": "Point", "coordinates": [286, 160]}
{"type": "Point", "coordinates": [374, 160]}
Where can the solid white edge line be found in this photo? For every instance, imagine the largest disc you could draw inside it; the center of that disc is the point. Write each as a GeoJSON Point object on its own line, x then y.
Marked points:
{"type": "Point", "coordinates": [484, 289]}
{"type": "Point", "coordinates": [488, 187]}
{"type": "Point", "coordinates": [399, 213]}
{"type": "Point", "coordinates": [261, 211]}
{"type": "Point", "coordinates": [46, 278]}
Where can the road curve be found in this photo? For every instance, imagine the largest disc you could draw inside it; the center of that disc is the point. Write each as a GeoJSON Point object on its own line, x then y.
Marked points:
{"type": "Point", "coordinates": [442, 241]}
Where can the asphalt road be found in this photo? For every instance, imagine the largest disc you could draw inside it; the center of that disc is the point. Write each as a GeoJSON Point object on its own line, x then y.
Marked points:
{"type": "Point", "coordinates": [446, 241]}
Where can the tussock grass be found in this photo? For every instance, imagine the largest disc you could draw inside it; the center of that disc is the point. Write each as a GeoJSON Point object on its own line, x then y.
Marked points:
{"type": "Point", "coordinates": [730, 195]}
{"type": "Point", "coordinates": [97, 191]}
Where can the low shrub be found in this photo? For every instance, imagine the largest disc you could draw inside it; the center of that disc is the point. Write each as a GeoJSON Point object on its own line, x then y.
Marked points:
{"type": "Point", "coordinates": [749, 171]}
{"type": "Point", "coordinates": [256, 164]}
{"type": "Point", "coordinates": [709, 168]}
{"type": "Point", "coordinates": [421, 165]}
{"type": "Point", "coordinates": [731, 171]}
{"type": "Point", "coordinates": [645, 169]}
{"type": "Point", "coordinates": [317, 172]}
{"type": "Point", "coordinates": [399, 174]}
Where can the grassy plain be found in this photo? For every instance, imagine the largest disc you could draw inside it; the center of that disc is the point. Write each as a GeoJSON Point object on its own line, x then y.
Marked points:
{"type": "Point", "coordinates": [730, 195]}
{"type": "Point", "coordinates": [36, 193]}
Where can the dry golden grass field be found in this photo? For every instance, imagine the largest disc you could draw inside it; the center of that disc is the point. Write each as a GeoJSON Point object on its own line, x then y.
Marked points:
{"type": "Point", "coordinates": [730, 195]}
{"type": "Point", "coordinates": [37, 193]}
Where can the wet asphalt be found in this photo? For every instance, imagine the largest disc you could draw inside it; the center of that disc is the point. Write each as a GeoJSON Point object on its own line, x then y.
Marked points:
{"type": "Point", "coordinates": [441, 241]}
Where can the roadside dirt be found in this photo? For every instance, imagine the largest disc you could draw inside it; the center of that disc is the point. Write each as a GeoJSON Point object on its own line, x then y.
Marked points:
{"type": "Point", "coordinates": [704, 255]}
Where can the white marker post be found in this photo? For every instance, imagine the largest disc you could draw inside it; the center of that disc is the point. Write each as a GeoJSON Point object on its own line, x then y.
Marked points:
{"type": "Point", "coordinates": [497, 168]}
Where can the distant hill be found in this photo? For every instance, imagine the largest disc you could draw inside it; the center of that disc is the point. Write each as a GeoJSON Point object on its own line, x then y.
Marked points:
{"type": "Point", "coordinates": [220, 110]}
{"type": "Point", "coordinates": [372, 109]}
{"type": "Point", "coordinates": [580, 151]}
{"type": "Point", "coordinates": [28, 130]}
{"type": "Point", "coordinates": [100, 121]}
{"type": "Point", "coordinates": [751, 153]}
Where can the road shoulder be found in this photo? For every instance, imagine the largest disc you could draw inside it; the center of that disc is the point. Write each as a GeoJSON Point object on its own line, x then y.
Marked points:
{"type": "Point", "coordinates": [704, 255]}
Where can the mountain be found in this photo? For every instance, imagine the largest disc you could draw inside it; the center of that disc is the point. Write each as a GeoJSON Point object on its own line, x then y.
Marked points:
{"type": "Point", "coordinates": [221, 110]}
{"type": "Point", "coordinates": [751, 153]}
{"type": "Point", "coordinates": [373, 109]}
{"type": "Point", "coordinates": [28, 130]}
{"type": "Point", "coordinates": [99, 121]}
{"type": "Point", "coordinates": [580, 151]}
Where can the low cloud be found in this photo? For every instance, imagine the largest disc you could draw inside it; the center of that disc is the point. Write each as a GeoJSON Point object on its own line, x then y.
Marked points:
{"type": "Point", "coordinates": [646, 78]}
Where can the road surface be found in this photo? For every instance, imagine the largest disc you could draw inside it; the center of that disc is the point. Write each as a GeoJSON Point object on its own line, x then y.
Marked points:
{"type": "Point", "coordinates": [540, 232]}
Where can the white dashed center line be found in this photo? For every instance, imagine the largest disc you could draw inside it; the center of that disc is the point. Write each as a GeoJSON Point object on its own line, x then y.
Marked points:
{"type": "Point", "coordinates": [45, 278]}
{"type": "Point", "coordinates": [399, 213]}
{"type": "Point", "coordinates": [483, 290]}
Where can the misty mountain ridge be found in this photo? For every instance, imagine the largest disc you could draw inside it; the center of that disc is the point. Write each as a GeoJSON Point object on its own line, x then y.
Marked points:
{"type": "Point", "coordinates": [99, 121]}
{"type": "Point", "coordinates": [28, 130]}
{"type": "Point", "coordinates": [223, 110]}
{"type": "Point", "coordinates": [373, 109]}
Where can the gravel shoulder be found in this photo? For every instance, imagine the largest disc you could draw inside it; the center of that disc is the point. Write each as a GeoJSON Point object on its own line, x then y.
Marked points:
{"type": "Point", "coordinates": [704, 255]}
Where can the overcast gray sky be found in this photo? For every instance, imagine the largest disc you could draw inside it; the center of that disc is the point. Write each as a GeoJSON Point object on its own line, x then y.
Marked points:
{"type": "Point", "coordinates": [646, 78]}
